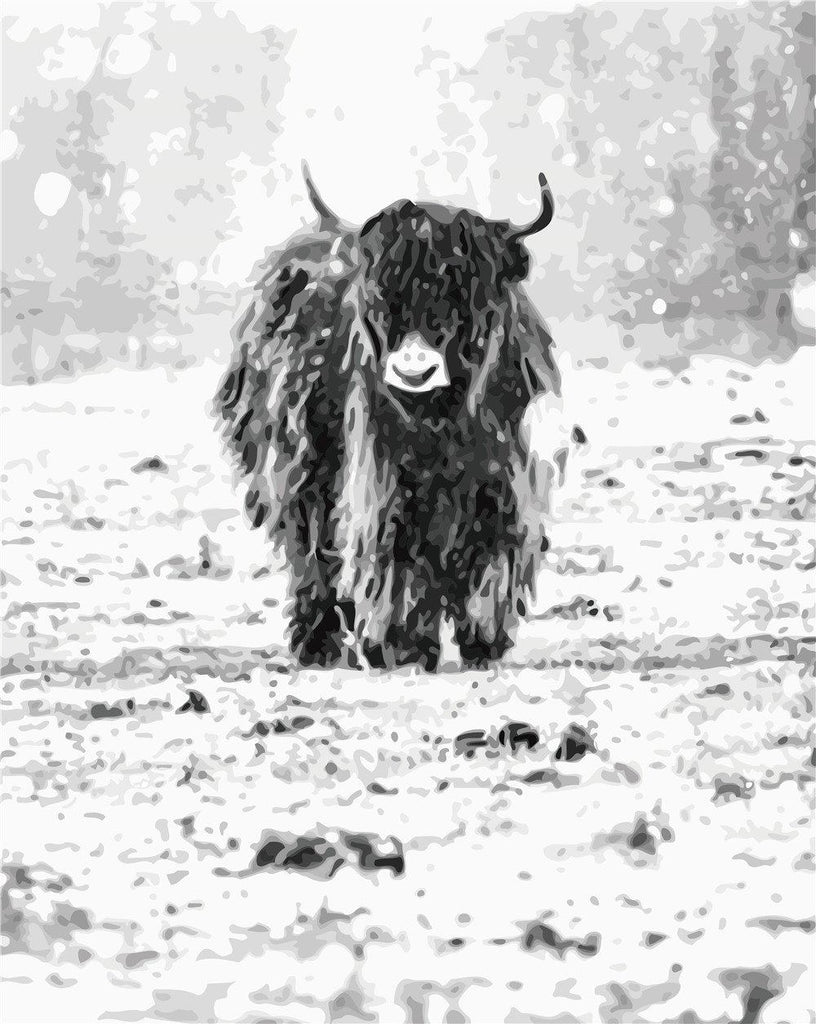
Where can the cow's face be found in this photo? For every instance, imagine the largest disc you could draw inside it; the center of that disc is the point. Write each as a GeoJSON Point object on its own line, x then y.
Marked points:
{"type": "Point", "coordinates": [430, 277]}
{"type": "Point", "coordinates": [433, 280]}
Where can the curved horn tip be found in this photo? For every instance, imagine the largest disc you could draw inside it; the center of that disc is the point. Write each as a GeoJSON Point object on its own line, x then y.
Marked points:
{"type": "Point", "coordinates": [308, 181]}
{"type": "Point", "coordinates": [327, 217]}
{"type": "Point", "coordinates": [546, 214]}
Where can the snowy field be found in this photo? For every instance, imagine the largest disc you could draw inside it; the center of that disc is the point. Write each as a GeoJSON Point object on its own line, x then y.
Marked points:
{"type": "Point", "coordinates": [616, 825]}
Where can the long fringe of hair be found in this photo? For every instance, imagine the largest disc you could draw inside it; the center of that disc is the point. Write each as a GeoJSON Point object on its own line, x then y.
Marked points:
{"type": "Point", "coordinates": [303, 376]}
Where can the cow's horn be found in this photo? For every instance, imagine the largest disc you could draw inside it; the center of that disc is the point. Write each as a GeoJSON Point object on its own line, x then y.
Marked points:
{"type": "Point", "coordinates": [544, 218]}
{"type": "Point", "coordinates": [329, 221]}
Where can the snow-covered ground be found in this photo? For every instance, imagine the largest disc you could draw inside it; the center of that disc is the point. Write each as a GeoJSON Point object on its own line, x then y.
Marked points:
{"type": "Point", "coordinates": [663, 872]}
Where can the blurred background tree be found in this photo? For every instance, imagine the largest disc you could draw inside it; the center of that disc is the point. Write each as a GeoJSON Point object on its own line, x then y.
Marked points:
{"type": "Point", "coordinates": [116, 194]}
{"type": "Point", "coordinates": [739, 237]}
{"type": "Point", "coordinates": [680, 143]}
{"type": "Point", "coordinates": [145, 153]}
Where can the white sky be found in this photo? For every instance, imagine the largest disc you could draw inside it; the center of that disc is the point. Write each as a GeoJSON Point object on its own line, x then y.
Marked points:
{"type": "Point", "coordinates": [361, 58]}
{"type": "Point", "coordinates": [355, 106]}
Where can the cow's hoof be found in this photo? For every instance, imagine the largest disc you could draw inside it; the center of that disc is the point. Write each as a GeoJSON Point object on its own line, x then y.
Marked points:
{"type": "Point", "coordinates": [477, 653]}
{"type": "Point", "coordinates": [323, 654]}
{"type": "Point", "coordinates": [318, 645]}
{"type": "Point", "coordinates": [324, 657]}
{"type": "Point", "coordinates": [399, 653]}
{"type": "Point", "coordinates": [426, 656]}
{"type": "Point", "coordinates": [378, 656]}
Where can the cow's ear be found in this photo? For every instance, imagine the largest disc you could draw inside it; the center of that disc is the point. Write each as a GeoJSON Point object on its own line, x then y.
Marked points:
{"type": "Point", "coordinates": [514, 259]}
{"type": "Point", "coordinates": [533, 347]}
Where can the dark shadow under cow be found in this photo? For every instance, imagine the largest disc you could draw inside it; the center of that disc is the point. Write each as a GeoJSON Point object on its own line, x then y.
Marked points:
{"type": "Point", "coordinates": [375, 405]}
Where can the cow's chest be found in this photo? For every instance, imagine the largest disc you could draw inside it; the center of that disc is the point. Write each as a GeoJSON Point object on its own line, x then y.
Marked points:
{"type": "Point", "coordinates": [440, 453]}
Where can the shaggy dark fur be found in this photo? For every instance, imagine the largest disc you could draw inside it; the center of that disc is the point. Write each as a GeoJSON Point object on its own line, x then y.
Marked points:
{"type": "Point", "coordinates": [394, 509]}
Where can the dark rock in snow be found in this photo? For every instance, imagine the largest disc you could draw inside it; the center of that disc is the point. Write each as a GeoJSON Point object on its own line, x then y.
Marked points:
{"type": "Point", "coordinates": [518, 734]}
{"type": "Point", "coordinates": [756, 987]}
{"type": "Point", "coordinates": [376, 854]}
{"type": "Point", "coordinates": [732, 787]}
{"type": "Point", "coordinates": [467, 743]}
{"type": "Point", "coordinates": [211, 563]}
{"type": "Point", "coordinates": [117, 710]}
{"type": "Point", "coordinates": [299, 853]}
{"type": "Point", "coordinates": [642, 837]}
{"type": "Point", "coordinates": [639, 838]}
{"type": "Point", "coordinates": [539, 935]}
{"type": "Point", "coordinates": [717, 690]}
{"type": "Point", "coordinates": [196, 702]}
{"type": "Point", "coordinates": [152, 464]}
{"type": "Point", "coordinates": [575, 743]}
{"type": "Point", "coordinates": [279, 727]}
{"type": "Point", "coordinates": [380, 790]}
{"type": "Point", "coordinates": [578, 436]}
{"type": "Point", "coordinates": [645, 836]}
{"type": "Point", "coordinates": [543, 776]}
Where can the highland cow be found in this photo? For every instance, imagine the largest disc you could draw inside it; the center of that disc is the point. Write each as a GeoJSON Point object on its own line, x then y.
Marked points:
{"type": "Point", "coordinates": [375, 404]}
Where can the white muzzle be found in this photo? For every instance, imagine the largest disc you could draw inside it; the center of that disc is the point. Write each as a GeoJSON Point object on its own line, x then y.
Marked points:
{"type": "Point", "coordinates": [416, 366]}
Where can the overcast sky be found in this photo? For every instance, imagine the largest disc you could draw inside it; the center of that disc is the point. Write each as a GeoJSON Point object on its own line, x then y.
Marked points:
{"type": "Point", "coordinates": [356, 106]}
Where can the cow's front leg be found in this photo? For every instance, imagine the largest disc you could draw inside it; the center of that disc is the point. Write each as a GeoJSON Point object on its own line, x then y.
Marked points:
{"type": "Point", "coordinates": [479, 646]}
{"type": "Point", "coordinates": [483, 619]}
{"type": "Point", "coordinates": [380, 606]}
{"type": "Point", "coordinates": [316, 630]}
{"type": "Point", "coordinates": [407, 629]}
{"type": "Point", "coordinates": [417, 640]}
